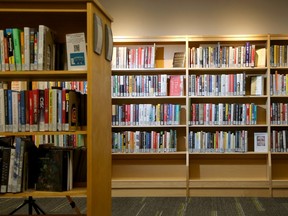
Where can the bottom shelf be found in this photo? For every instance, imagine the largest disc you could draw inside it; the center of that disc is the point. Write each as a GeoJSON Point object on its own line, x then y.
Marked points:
{"type": "Point", "coordinates": [159, 187]}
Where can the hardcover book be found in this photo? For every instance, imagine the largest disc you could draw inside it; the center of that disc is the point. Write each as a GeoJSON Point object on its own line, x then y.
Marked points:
{"type": "Point", "coordinates": [53, 169]}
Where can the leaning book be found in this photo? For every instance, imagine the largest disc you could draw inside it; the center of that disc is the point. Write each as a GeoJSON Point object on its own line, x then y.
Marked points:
{"type": "Point", "coordinates": [76, 51]}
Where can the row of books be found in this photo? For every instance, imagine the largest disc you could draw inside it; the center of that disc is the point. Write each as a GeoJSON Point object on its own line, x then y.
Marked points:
{"type": "Point", "coordinates": [12, 154]}
{"type": "Point", "coordinates": [53, 109]}
{"type": "Point", "coordinates": [279, 141]}
{"type": "Point", "coordinates": [219, 141]}
{"type": "Point", "coordinates": [217, 85]}
{"type": "Point", "coordinates": [147, 85]}
{"type": "Point", "coordinates": [278, 84]}
{"type": "Point", "coordinates": [36, 48]}
{"type": "Point", "coordinates": [79, 86]}
{"type": "Point", "coordinates": [223, 114]}
{"type": "Point", "coordinates": [27, 48]}
{"type": "Point", "coordinates": [145, 114]}
{"type": "Point", "coordinates": [278, 55]}
{"type": "Point", "coordinates": [59, 140]}
{"type": "Point", "coordinates": [222, 56]}
{"type": "Point", "coordinates": [279, 113]}
{"type": "Point", "coordinates": [144, 141]}
{"type": "Point", "coordinates": [23, 166]}
{"type": "Point", "coordinates": [138, 57]}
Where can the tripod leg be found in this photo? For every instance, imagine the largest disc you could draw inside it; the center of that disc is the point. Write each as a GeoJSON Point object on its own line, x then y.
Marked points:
{"type": "Point", "coordinates": [38, 209]}
{"type": "Point", "coordinates": [31, 204]}
{"type": "Point", "coordinates": [18, 207]}
{"type": "Point", "coordinates": [73, 205]}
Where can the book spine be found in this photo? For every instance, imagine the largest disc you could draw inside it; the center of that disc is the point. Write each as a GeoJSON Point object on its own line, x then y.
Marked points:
{"type": "Point", "coordinates": [17, 48]}
{"type": "Point", "coordinates": [41, 110]}
{"type": "Point", "coordinates": [11, 57]}
{"type": "Point", "coordinates": [59, 109]}
{"type": "Point", "coordinates": [15, 113]}
{"type": "Point", "coordinates": [41, 36]}
{"type": "Point", "coordinates": [5, 170]}
{"type": "Point", "coordinates": [2, 111]}
{"type": "Point", "coordinates": [46, 109]}
{"type": "Point", "coordinates": [26, 65]}
{"type": "Point", "coordinates": [2, 50]}
{"type": "Point", "coordinates": [11, 170]}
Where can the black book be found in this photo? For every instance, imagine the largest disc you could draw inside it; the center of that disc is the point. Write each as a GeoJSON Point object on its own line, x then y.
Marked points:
{"type": "Point", "coordinates": [53, 168]}
{"type": "Point", "coordinates": [5, 169]}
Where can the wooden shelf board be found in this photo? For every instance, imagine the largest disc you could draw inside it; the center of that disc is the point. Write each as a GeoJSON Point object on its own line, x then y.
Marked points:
{"type": "Point", "coordinates": [73, 192]}
{"type": "Point", "coordinates": [43, 75]}
{"type": "Point", "coordinates": [127, 70]}
{"type": "Point", "coordinates": [163, 183]}
{"type": "Point", "coordinates": [41, 133]}
{"type": "Point", "coordinates": [223, 183]}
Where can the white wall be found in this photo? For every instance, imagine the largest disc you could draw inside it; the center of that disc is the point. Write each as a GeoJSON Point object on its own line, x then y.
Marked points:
{"type": "Point", "coordinates": [197, 17]}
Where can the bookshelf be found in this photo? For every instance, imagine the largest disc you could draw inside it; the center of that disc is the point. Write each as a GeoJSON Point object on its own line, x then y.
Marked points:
{"type": "Point", "coordinates": [146, 172]}
{"type": "Point", "coordinates": [71, 17]}
{"type": "Point", "coordinates": [278, 126]}
{"type": "Point", "coordinates": [198, 171]}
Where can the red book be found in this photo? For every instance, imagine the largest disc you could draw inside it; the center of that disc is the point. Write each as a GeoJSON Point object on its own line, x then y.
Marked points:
{"type": "Point", "coordinates": [176, 85]}
{"type": "Point", "coordinates": [31, 116]}
{"type": "Point", "coordinates": [35, 100]}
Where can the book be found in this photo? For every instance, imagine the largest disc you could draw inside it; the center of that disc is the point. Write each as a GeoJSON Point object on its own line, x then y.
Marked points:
{"type": "Point", "coordinates": [46, 48]}
{"type": "Point", "coordinates": [73, 110]}
{"type": "Point", "coordinates": [41, 121]}
{"type": "Point", "coordinates": [17, 48]}
{"type": "Point", "coordinates": [2, 50]}
{"type": "Point", "coordinates": [26, 63]}
{"type": "Point", "coordinates": [257, 85]}
{"type": "Point", "coordinates": [260, 58]}
{"type": "Point", "coordinates": [80, 166]}
{"type": "Point", "coordinates": [179, 59]}
{"type": "Point", "coordinates": [5, 169]}
{"type": "Point", "coordinates": [54, 169]}
{"type": "Point", "coordinates": [11, 170]}
{"type": "Point", "coordinates": [2, 111]}
{"type": "Point", "coordinates": [76, 51]}
{"type": "Point", "coordinates": [176, 85]}
{"type": "Point", "coordinates": [260, 142]}
{"type": "Point", "coordinates": [10, 47]}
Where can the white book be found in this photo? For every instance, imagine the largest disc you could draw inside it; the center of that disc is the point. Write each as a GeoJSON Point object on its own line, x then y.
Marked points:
{"type": "Point", "coordinates": [11, 170]}
{"type": "Point", "coordinates": [257, 85]}
{"type": "Point", "coordinates": [46, 48]}
{"type": "Point", "coordinates": [76, 51]}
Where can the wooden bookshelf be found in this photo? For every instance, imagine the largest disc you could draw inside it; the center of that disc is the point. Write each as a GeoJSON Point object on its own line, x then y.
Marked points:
{"type": "Point", "coordinates": [202, 173]}
{"type": "Point", "coordinates": [278, 68]}
{"type": "Point", "coordinates": [71, 17]}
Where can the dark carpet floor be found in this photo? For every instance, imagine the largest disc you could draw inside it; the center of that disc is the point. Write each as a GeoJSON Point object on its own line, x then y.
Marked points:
{"type": "Point", "coordinates": [163, 206]}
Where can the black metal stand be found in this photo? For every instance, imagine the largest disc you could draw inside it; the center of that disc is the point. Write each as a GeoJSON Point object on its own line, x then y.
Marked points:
{"type": "Point", "coordinates": [31, 204]}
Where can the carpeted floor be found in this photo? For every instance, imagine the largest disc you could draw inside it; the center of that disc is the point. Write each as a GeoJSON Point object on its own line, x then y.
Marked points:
{"type": "Point", "coordinates": [163, 206]}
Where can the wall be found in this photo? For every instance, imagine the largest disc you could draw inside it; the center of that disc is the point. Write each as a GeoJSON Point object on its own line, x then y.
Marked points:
{"type": "Point", "coordinates": [196, 17]}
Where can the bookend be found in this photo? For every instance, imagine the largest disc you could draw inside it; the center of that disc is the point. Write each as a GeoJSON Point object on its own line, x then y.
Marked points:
{"type": "Point", "coordinates": [31, 204]}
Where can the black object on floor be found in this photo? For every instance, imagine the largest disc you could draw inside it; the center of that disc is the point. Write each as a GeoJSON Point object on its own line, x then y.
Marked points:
{"type": "Point", "coordinates": [31, 205]}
